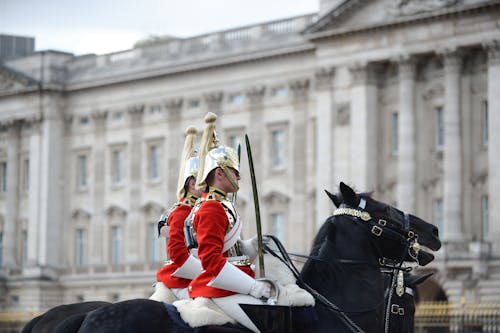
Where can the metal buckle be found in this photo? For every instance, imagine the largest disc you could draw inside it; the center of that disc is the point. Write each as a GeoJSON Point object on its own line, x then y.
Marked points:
{"type": "Point", "coordinates": [401, 311]}
{"type": "Point", "coordinates": [411, 234]}
{"type": "Point", "coordinates": [395, 308]}
{"type": "Point", "coordinates": [382, 222]}
{"type": "Point", "coordinates": [376, 230]}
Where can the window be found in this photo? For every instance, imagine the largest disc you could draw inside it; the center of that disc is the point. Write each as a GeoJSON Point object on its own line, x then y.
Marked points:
{"type": "Point", "coordinates": [278, 92]}
{"type": "Point", "coordinates": [82, 172]}
{"type": "Point", "coordinates": [236, 99]}
{"type": "Point", "coordinates": [277, 226]}
{"type": "Point", "coordinates": [116, 245]}
{"type": "Point", "coordinates": [439, 214]}
{"type": "Point", "coordinates": [1, 248]}
{"type": "Point", "coordinates": [484, 122]}
{"type": "Point", "coordinates": [234, 141]}
{"type": "Point", "coordinates": [439, 127]}
{"type": "Point", "coordinates": [485, 216]}
{"type": "Point", "coordinates": [26, 175]}
{"type": "Point", "coordinates": [155, 109]}
{"type": "Point", "coordinates": [117, 115]}
{"type": "Point", "coordinates": [154, 163]}
{"type": "Point", "coordinates": [117, 167]}
{"type": "Point", "coordinates": [81, 247]}
{"type": "Point", "coordinates": [278, 149]}
{"type": "Point", "coordinates": [193, 103]}
{"type": "Point", "coordinates": [83, 120]}
{"type": "Point", "coordinates": [154, 251]}
{"type": "Point", "coordinates": [3, 177]}
{"type": "Point", "coordinates": [395, 133]}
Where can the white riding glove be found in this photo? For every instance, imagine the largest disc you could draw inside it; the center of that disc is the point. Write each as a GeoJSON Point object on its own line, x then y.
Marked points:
{"type": "Point", "coordinates": [260, 289]}
{"type": "Point", "coordinates": [164, 231]}
{"type": "Point", "coordinates": [250, 246]}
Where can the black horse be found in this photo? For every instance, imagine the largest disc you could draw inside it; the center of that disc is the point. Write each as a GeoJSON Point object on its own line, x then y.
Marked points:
{"type": "Point", "coordinates": [343, 272]}
{"type": "Point", "coordinates": [48, 322]}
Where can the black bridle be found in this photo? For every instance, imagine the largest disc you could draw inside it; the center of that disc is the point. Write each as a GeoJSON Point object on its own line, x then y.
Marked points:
{"type": "Point", "coordinates": [378, 228]}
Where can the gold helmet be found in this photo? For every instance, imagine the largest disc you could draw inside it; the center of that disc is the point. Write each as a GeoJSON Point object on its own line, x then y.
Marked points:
{"type": "Point", "coordinates": [189, 160]}
{"type": "Point", "coordinates": [213, 155]}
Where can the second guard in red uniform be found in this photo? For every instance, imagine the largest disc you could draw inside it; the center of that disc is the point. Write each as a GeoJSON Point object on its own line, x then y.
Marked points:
{"type": "Point", "coordinates": [174, 277]}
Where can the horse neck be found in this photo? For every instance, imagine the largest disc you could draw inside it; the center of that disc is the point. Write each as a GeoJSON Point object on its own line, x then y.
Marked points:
{"type": "Point", "coordinates": [356, 286]}
{"type": "Point", "coordinates": [335, 278]}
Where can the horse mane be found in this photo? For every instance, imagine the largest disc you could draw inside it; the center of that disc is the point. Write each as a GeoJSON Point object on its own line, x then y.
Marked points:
{"type": "Point", "coordinates": [320, 237]}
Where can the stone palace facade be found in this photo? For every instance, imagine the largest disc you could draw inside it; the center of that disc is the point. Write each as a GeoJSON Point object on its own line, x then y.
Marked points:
{"type": "Point", "coordinates": [399, 97]}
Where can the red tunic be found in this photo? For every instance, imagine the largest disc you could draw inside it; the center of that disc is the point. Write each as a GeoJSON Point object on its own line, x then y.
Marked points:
{"type": "Point", "coordinates": [176, 248]}
{"type": "Point", "coordinates": [211, 224]}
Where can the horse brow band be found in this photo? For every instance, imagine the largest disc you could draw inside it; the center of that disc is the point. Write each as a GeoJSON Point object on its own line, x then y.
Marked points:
{"type": "Point", "coordinates": [365, 216]}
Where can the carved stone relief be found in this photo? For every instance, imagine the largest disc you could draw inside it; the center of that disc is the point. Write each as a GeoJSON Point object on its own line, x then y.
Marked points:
{"type": "Point", "coordinates": [411, 7]}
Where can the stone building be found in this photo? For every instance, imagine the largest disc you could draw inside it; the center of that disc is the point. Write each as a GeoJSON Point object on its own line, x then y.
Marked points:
{"type": "Point", "coordinates": [399, 97]}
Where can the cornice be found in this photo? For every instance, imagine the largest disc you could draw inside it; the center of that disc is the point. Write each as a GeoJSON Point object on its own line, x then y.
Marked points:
{"type": "Point", "coordinates": [208, 64]}
{"type": "Point", "coordinates": [417, 18]}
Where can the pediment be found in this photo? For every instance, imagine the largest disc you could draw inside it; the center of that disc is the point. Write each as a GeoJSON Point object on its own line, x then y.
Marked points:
{"type": "Point", "coordinates": [275, 197]}
{"type": "Point", "coordinates": [11, 80]}
{"type": "Point", "coordinates": [351, 15]}
{"type": "Point", "coordinates": [115, 211]}
{"type": "Point", "coordinates": [152, 207]}
{"type": "Point", "coordinates": [80, 214]}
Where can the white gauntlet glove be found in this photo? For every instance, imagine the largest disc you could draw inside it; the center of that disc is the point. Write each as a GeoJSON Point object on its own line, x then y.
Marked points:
{"type": "Point", "coordinates": [250, 246]}
{"type": "Point", "coordinates": [260, 289]}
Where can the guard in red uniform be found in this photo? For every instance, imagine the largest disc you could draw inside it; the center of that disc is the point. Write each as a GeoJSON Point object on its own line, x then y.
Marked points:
{"type": "Point", "coordinates": [174, 277]}
{"type": "Point", "coordinates": [227, 277]}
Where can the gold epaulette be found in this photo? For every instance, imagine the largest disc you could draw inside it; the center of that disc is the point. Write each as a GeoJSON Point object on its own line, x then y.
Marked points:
{"type": "Point", "coordinates": [189, 200]}
{"type": "Point", "coordinates": [216, 194]}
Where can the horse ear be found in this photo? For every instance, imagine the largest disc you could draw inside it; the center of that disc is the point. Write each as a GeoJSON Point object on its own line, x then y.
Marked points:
{"type": "Point", "coordinates": [349, 195]}
{"type": "Point", "coordinates": [335, 199]}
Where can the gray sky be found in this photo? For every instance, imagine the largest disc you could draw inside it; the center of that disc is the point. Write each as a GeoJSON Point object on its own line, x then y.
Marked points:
{"type": "Point", "coordinates": [103, 26]}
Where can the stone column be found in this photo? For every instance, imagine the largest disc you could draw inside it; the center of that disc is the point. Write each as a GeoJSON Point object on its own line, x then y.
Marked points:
{"type": "Point", "coordinates": [494, 140]}
{"type": "Point", "coordinates": [325, 118]}
{"type": "Point", "coordinates": [406, 188]}
{"type": "Point", "coordinates": [213, 101]}
{"type": "Point", "coordinates": [51, 199]}
{"type": "Point", "coordinates": [98, 225]}
{"type": "Point", "coordinates": [175, 141]}
{"type": "Point", "coordinates": [364, 115]}
{"type": "Point", "coordinates": [35, 148]}
{"type": "Point", "coordinates": [452, 159]}
{"type": "Point", "coordinates": [12, 197]}
{"type": "Point", "coordinates": [255, 96]}
{"type": "Point", "coordinates": [256, 131]}
{"type": "Point", "coordinates": [134, 242]}
{"type": "Point", "coordinates": [299, 200]}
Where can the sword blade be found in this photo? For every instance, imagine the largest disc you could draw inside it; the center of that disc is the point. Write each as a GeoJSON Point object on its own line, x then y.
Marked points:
{"type": "Point", "coordinates": [260, 250]}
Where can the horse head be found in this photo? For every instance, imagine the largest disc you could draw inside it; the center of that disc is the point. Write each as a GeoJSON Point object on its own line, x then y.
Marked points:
{"type": "Point", "coordinates": [427, 233]}
{"type": "Point", "coordinates": [345, 264]}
